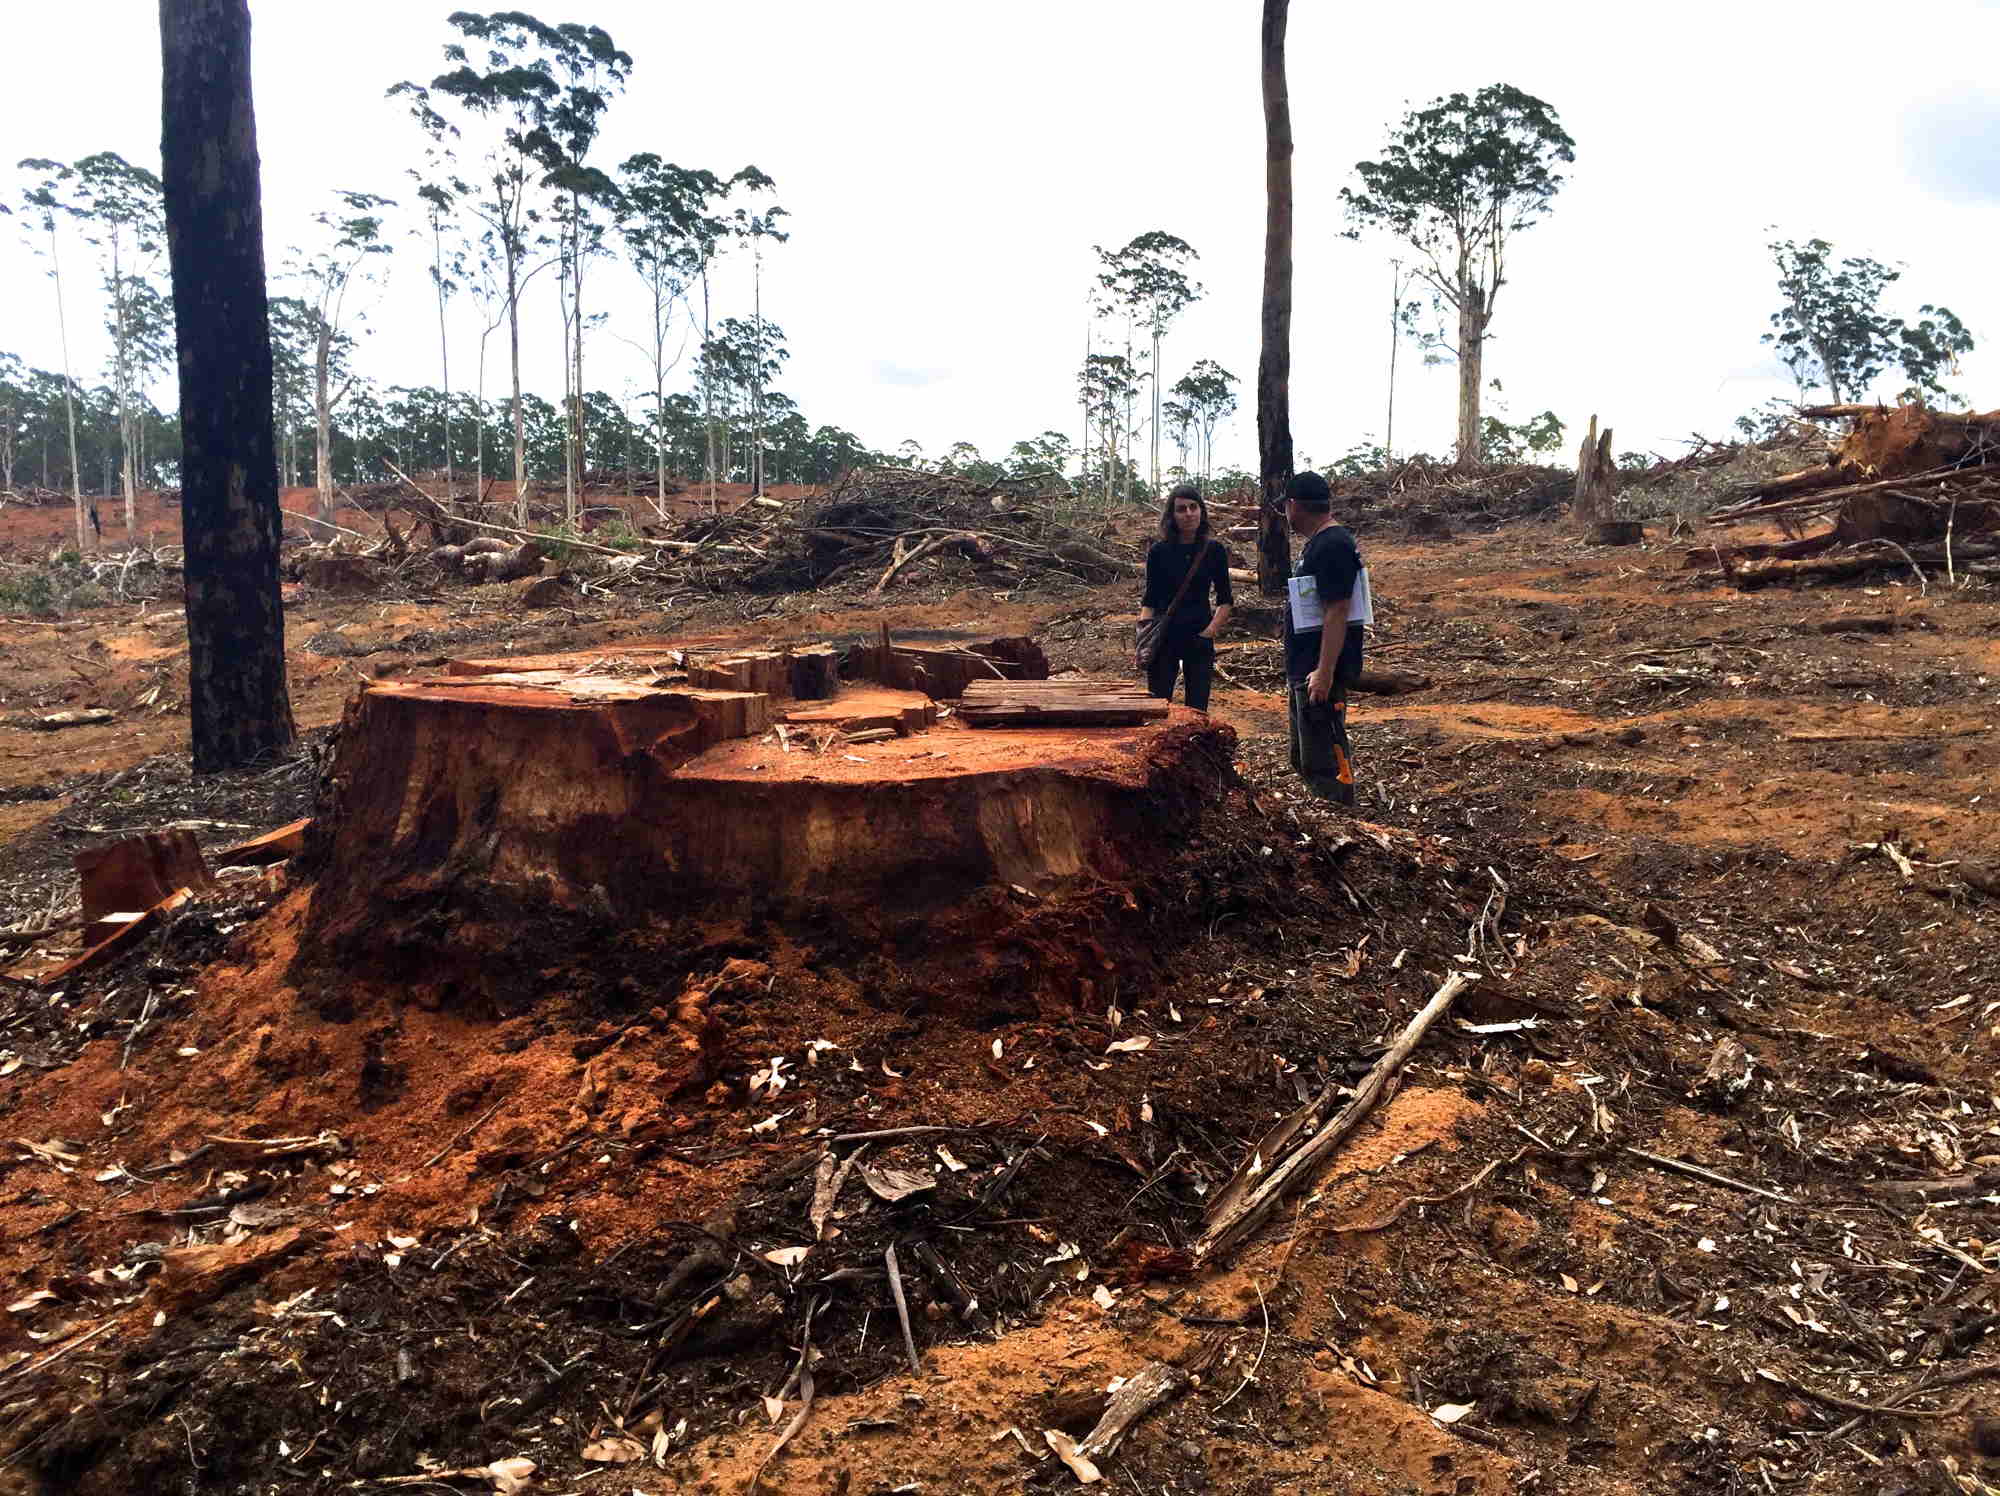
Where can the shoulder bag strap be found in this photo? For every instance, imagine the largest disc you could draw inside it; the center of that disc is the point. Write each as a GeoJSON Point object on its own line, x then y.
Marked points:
{"type": "Point", "coordinates": [1188, 580]}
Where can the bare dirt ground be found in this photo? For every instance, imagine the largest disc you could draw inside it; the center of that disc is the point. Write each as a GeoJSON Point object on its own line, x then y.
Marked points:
{"type": "Point", "coordinates": [266, 1230]}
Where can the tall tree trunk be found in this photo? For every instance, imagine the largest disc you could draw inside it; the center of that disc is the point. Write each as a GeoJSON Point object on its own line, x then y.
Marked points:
{"type": "Point", "coordinates": [1395, 344]}
{"type": "Point", "coordinates": [75, 469]}
{"type": "Point", "coordinates": [1471, 359]}
{"type": "Point", "coordinates": [444, 352]}
{"type": "Point", "coordinates": [323, 420]}
{"type": "Point", "coordinates": [122, 356]}
{"type": "Point", "coordinates": [707, 391]}
{"type": "Point", "coordinates": [520, 417]}
{"type": "Point", "coordinates": [1156, 410]}
{"type": "Point", "coordinates": [237, 702]}
{"type": "Point", "coordinates": [69, 400]}
{"type": "Point", "coordinates": [1274, 360]}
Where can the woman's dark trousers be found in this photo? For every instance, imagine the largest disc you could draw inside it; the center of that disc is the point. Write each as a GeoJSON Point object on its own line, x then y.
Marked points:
{"type": "Point", "coordinates": [1194, 653]}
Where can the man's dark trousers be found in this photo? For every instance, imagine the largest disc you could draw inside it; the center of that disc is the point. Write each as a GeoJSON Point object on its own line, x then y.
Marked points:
{"type": "Point", "coordinates": [1319, 742]}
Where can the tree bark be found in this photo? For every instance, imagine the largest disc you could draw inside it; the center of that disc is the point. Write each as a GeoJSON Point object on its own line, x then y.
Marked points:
{"type": "Point", "coordinates": [238, 706]}
{"type": "Point", "coordinates": [1471, 359]}
{"type": "Point", "coordinates": [1274, 361]}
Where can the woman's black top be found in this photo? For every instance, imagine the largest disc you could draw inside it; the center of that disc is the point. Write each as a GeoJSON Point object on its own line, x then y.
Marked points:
{"type": "Point", "coordinates": [1166, 564]}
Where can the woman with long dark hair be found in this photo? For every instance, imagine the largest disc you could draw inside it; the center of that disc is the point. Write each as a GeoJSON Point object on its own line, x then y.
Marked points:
{"type": "Point", "coordinates": [1177, 624]}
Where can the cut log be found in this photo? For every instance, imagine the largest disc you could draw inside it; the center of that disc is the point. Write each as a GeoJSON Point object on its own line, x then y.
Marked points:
{"type": "Point", "coordinates": [91, 716]}
{"type": "Point", "coordinates": [1073, 703]}
{"type": "Point", "coordinates": [272, 846]}
{"type": "Point", "coordinates": [137, 872]}
{"type": "Point", "coordinates": [1824, 569]}
{"type": "Point", "coordinates": [485, 840]}
{"type": "Point", "coordinates": [340, 572]}
{"type": "Point", "coordinates": [1790, 550]}
{"type": "Point", "coordinates": [1389, 682]}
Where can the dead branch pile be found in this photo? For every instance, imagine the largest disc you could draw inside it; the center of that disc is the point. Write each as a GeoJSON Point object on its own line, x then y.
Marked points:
{"type": "Point", "coordinates": [876, 524]}
{"type": "Point", "coordinates": [621, 482]}
{"type": "Point", "coordinates": [31, 497]}
{"type": "Point", "coordinates": [1905, 485]}
{"type": "Point", "coordinates": [1420, 486]}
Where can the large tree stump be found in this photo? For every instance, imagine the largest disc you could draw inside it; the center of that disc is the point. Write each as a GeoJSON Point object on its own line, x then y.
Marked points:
{"type": "Point", "coordinates": [1596, 480]}
{"type": "Point", "coordinates": [477, 831]}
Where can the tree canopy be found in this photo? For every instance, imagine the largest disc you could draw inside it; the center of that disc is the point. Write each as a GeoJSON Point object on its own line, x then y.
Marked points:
{"type": "Point", "coordinates": [1455, 181]}
{"type": "Point", "coordinates": [1830, 331]}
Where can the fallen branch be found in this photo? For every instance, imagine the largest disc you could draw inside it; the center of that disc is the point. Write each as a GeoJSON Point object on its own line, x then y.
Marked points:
{"type": "Point", "coordinates": [1708, 1176]}
{"type": "Point", "coordinates": [950, 537]}
{"type": "Point", "coordinates": [1849, 1405]}
{"type": "Point", "coordinates": [1882, 737]}
{"type": "Point", "coordinates": [1226, 1229]}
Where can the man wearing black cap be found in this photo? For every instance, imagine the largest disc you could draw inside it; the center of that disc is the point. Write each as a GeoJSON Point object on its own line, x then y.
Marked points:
{"type": "Point", "coordinates": [1327, 604]}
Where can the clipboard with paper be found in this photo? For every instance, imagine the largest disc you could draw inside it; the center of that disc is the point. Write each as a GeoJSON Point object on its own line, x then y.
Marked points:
{"type": "Point", "coordinates": [1309, 613]}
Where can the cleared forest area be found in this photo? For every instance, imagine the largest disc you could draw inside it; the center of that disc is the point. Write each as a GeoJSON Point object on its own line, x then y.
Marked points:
{"type": "Point", "coordinates": [1692, 1186]}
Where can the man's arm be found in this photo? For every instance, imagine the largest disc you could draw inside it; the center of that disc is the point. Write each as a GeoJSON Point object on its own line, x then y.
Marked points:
{"type": "Point", "coordinates": [1336, 572]}
{"type": "Point", "coordinates": [1332, 639]}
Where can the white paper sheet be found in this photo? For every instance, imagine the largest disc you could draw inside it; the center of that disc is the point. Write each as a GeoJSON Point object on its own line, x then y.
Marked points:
{"type": "Point", "coordinates": [1309, 613]}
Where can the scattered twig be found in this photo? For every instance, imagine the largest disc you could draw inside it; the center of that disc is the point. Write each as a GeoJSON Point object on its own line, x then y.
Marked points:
{"type": "Point", "coordinates": [902, 1309]}
{"type": "Point", "coordinates": [1383, 1223]}
{"type": "Point", "coordinates": [478, 1123]}
{"type": "Point", "coordinates": [1251, 1375]}
{"type": "Point", "coordinates": [1709, 1176]}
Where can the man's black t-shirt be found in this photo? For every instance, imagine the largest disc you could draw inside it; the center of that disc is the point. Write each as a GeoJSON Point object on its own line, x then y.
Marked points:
{"type": "Point", "coordinates": [1333, 561]}
{"type": "Point", "coordinates": [1167, 565]}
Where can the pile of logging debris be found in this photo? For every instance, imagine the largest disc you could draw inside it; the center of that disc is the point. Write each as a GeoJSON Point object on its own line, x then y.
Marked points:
{"type": "Point", "coordinates": [1428, 486]}
{"type": "Point", "coordinates": [1906, 486]}
{"type": "Point", "coordinates": [37, 498]}
{"type": "Point", "coordinates": [877, 525]}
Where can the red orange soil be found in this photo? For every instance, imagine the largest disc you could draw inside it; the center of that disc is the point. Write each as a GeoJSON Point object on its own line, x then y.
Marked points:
{"type": "Point", "coordinates": [1628, 755]}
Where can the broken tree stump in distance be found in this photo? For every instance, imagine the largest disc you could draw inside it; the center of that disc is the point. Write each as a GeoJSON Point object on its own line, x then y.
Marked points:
{"type": "Point", "coordinates": [1389, 682]}
{"type": "Point", "coordinates": [1596, 480]}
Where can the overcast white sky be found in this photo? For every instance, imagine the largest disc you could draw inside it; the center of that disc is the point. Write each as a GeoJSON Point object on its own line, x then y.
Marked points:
{"type": "Point", "coordinates": [948, 168]}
